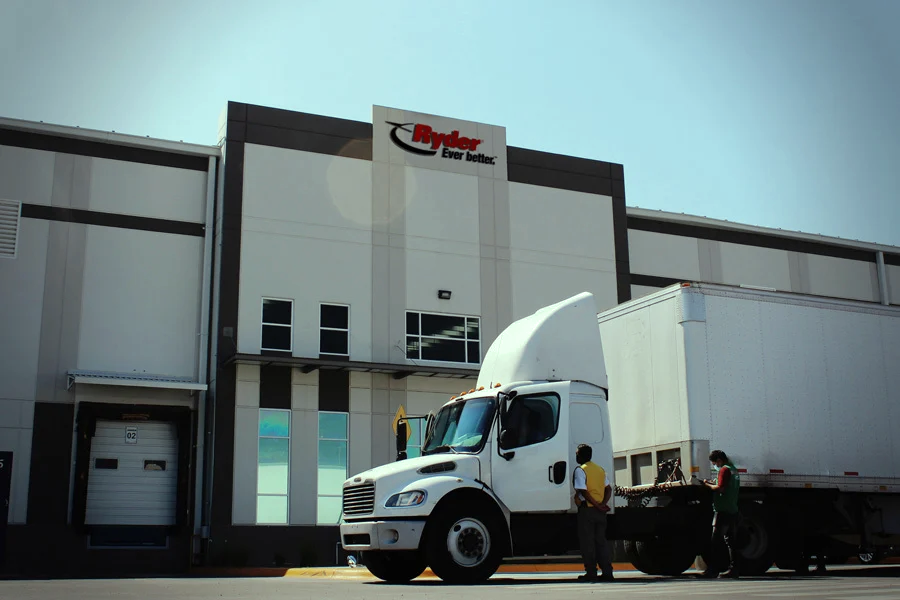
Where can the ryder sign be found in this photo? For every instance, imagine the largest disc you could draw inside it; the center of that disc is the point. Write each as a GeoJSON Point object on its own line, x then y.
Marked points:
{"type": "Point", "coordinates": [422, 139]}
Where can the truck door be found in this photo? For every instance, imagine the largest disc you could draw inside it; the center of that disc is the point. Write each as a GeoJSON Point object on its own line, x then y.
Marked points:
{"type": "Point", "coordinates": [531, 472]}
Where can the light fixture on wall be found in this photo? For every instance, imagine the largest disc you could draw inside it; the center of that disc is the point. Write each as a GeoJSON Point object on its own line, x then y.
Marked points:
{"type": "Point", "coordinates": [444, 294]}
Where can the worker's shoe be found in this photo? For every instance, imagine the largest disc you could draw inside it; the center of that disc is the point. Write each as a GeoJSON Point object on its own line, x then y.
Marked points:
{"type": "Point", "coordinates": [588, 578]}
{"type": "Point", "coordinates": [708, 574]}
{"type": "Point", "coordinates": [607, 577]}
{"type": "Point", "coordinates": [730, 574]}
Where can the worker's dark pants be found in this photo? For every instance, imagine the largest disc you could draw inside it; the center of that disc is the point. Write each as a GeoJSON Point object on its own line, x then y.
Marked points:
{"type": "Point", "coordinates": [592, 535]}
{"type": "Point", "coordinates": [724, 531]}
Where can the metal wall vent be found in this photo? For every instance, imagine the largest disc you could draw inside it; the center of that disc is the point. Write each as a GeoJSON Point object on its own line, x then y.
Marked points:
{"type": "Point", "coordinates": [10, 212]}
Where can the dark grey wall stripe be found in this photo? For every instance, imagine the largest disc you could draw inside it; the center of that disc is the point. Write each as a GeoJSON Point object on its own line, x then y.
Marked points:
{"type": "Point", "coordinates": [275, 387]}
{"type": "Point", "coordinates": [560, 162]}
{"type": "Point", "coordinates": [557, 171]}
{"type": "Point", "coordinates": [620, 238]}
{"type": "Point", "coordinates": [308, 141]}
{"type": "Point", "coordinates": [748, 239]}
{"type": "Point", "coordinates": [226, 384]}
{"type": "Point", "coordinates": [334, 390]}
{"type": "Point", "coordinates": [67, 145]}
{"type": "Point", "coordinates": [300, 131]}
{"type": "Point", "coordinates": [51, 457]}
{"type": "Point", "coordinates": [653, 280]}
{"type": "Point", "coordinates": [90, 217]}
{"type": "Point", "coordinates": [892, 259]}
{"type": "Point", "coordinates": [289, 119]}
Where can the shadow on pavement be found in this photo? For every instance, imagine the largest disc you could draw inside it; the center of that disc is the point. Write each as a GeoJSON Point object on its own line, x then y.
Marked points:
{"type": "Point", "coordinates": [857, 572]}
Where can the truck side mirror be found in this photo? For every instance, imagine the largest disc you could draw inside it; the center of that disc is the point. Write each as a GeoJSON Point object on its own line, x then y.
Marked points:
{"type": "Point", "coordinates": [401, 440]}
{"type": "Point", "coordinates": [506, 401]}
{"type": "Point", "coordinates": [507, 438]}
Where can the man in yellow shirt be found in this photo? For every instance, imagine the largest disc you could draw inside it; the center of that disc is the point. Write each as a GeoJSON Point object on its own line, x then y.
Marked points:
{"type": "Point", "coordinates": [592, 494]}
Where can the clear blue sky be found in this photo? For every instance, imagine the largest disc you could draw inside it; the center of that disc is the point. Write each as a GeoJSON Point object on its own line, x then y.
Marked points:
{"type": "Point", "coordinates": [782, 113]}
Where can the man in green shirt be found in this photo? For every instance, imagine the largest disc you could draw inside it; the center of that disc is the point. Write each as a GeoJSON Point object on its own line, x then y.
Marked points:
{"type": "Point", "coordinates": [725, 504]}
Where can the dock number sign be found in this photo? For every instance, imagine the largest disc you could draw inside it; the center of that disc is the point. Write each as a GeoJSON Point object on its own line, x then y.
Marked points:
{"type": "Point", "coordinates": [131, 435]}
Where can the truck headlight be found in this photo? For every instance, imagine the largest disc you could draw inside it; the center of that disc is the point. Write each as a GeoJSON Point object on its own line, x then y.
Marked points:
{"type": "Point", "coordinates": [405, 499]}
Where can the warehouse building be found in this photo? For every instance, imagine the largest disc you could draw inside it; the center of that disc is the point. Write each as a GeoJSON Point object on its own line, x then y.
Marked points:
{"type": "Point", "coordinates": [200, 343]}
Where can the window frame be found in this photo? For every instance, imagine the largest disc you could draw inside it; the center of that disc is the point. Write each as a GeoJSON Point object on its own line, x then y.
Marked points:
{"type": "Point", "coordinates": [263, 324]}
{"type": "Point", "coordinates": [319, 438]}
{"type": "Point", "coordinates": [555, 425]}
{"type": "Point", "coordinates": [465, 340]}
{"type": "Point", "coordinates": [321, 329]}
{"type": "Point", "coordinates": [287, 495]}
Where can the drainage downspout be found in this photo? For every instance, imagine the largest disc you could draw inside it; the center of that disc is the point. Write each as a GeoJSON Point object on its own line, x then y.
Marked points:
{"type": "Point", "coordinates": [882, 279]}
{"type": "Point", "coordinates": [203, 356]}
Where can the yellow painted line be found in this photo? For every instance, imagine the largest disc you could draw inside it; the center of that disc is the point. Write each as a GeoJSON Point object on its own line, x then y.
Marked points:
{"type": "Point", "coordinates": [363, 573]}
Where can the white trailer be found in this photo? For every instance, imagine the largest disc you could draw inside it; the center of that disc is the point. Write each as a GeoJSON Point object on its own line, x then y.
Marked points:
{"type": "Point", "coordinates": [802, 392]}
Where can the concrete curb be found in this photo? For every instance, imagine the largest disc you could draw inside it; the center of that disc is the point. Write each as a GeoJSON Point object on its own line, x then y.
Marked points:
{"type": "Point", "coordinates": [363, 573]}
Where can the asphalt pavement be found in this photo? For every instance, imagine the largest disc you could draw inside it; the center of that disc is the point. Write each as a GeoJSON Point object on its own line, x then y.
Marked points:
{"type": "Point", "coordinates": [876, 583]}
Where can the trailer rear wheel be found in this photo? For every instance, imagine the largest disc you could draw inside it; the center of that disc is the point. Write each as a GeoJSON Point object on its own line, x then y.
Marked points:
{"type": "Point", "coordinates": [871, 557]}
{"type": "Point", "coordinates": [398, 566]}
{"type": "Point", "coordinates": [756, 541]}
{"type": "Point", "coordinates": [661, 556]}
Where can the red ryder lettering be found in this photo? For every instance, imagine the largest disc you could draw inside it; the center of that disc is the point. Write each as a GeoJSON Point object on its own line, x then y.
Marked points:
{"type": "Point", "coordinates": [425, 141]}
{"type": "Point", "coordinates": [426, 135]}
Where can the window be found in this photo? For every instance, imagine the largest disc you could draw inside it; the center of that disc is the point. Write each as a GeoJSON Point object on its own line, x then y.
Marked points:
{"type": "Point", "coordinates": [273, 466]}
{"type": "Point", "coordinates": [531, 420]}
{"type": "Point", "coordinates": [463, 425]}
{"type": "Point", "coordinates": [444, 338]}
{"type": "Point", "coordinates": [332, 466]}
{"type": "Point", "coordinates": [334, 329]}
{"type": "Point", "coordinates": [277, 321]}
{"type": "Point", "coordinates": [416, 438]}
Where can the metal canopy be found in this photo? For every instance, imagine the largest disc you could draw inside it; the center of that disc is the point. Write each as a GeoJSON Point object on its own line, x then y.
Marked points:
{"type": "Point", "coordinates": [133, 380]}
{"type": "Point", "coordinates": [307, 365]}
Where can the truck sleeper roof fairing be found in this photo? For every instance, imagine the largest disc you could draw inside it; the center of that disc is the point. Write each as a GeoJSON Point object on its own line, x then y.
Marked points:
{"type": "Point", "coordinates": [560, 342]}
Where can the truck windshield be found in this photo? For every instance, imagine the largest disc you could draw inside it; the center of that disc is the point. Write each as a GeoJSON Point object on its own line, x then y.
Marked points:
{"type": "Point", "coordinates": [460, 427]}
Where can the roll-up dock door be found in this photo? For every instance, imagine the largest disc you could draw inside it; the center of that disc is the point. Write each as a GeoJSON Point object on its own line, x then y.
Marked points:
{"type": "Point", "coordinates": [133, 474]}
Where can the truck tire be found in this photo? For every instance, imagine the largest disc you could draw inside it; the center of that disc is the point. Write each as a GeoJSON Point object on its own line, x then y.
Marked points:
{"type": "Point", "coordinates": [661, 556]}
{"type": "Point", "coordinates": [399, 566]}
{"type": "Point", "coordinates": [756, 541]}
{"type": "Point", "coordinates": [464, 544]}
{"type": "Point", "coordinates": [872, 557]}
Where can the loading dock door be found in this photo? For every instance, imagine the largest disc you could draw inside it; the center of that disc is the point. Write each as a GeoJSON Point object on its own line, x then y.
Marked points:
{"type": "Point", "coordinates": [133, 474]}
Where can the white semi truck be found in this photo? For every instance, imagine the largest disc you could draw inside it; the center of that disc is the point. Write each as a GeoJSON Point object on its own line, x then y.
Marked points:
{"type": "Point", "coordinates": [495, 478]}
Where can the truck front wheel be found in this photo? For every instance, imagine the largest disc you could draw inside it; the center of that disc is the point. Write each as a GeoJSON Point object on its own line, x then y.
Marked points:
{"type": "Point", "coordinates": [397, 566]}
{"type": "Point", "coordinates": [464, 545]}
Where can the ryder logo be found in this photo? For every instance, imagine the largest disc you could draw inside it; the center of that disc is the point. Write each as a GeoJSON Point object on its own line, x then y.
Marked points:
{"type": "Point", "coordinates": [425, 141]}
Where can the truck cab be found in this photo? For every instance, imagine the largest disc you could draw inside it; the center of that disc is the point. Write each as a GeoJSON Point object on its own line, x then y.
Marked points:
{"type": "Point", "coordinates": [495, 476]}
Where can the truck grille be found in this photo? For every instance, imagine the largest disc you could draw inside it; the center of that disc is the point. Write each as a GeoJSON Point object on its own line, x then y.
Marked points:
{"type": "Point", "coordinates": [359, 499]}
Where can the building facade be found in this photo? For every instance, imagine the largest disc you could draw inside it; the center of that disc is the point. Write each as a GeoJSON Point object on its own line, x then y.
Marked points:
{"type": "Point", "coordinates": [104, 289]}
{"type": "Point", "coordinates": [201, 343]}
